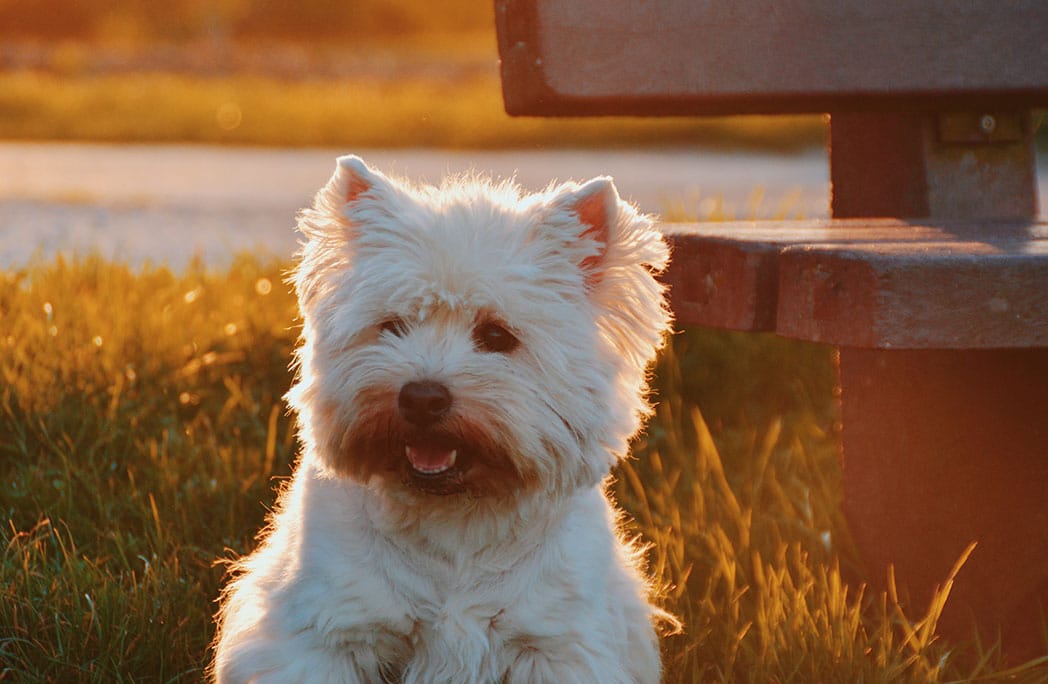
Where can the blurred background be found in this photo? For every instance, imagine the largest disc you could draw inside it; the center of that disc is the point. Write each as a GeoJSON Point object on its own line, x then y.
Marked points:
{"type": "Point", "coordinates": [404, 73]}
{"type": "Point", "coordinates": [213, 121]}
{"type": "Point", "coordinates": [159, 131]}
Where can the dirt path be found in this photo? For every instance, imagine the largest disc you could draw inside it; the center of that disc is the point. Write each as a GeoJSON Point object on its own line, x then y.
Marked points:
{"type": "Point", "coordinates": [166, 203]}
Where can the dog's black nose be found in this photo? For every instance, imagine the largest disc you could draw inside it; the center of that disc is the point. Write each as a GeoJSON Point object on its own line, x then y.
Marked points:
{"type": "Point", "coordinates": [423, 403]}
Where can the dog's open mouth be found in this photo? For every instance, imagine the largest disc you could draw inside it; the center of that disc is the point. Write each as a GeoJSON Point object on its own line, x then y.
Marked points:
{"type": "Point", "coordinates": [436, 468]}
{"type": "Point", "coordinates": [431, 460]}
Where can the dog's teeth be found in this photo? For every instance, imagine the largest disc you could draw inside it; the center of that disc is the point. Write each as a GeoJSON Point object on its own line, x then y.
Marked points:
{"type": "Point", "coordinates": [430, 462]}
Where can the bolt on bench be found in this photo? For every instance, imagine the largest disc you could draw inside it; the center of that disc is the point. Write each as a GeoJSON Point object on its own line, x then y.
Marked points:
{"type": "Point", "coordinates": [931, 279]}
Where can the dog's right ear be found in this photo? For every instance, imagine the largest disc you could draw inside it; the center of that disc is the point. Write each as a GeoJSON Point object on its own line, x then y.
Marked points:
{"type": "Point", "coordinates": [354, 179]}
{"type": "Point", "coordinates": [329, 226]}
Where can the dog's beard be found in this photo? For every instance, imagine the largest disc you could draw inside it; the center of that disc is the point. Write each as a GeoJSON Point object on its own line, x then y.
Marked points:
{"type": "Point", "coordinates": [455, 456]}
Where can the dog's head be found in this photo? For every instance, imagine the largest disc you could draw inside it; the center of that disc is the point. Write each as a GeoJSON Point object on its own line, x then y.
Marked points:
{"type": "Point", "coordinates": [471, 339]}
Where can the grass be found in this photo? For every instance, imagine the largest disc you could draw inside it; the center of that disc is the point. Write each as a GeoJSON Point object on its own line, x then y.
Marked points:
{"type": "Point", "coordinates": [428, 93]}
{"type": "Point", "coordinates": [259, 110]}
{"type": "Point", "coordinates": [141, 431]}
{"type": "Point", "coordinates": [140, 424]}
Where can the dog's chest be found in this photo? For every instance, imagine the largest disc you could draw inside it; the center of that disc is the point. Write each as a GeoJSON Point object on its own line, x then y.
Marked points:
{"type": "Point", "coordinates": [466, 634]}
{"type": "Point", "coordinates": [461, 634]}
{"type": "Point", "coordinates": [431, 611]}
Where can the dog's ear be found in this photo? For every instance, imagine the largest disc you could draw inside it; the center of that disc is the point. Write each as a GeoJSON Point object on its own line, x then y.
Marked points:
{"type": "Point", "coordinates": [597, 205]}
{"type": "Point", "coordinates": [353, 178]}
{"type": "Point", "coordinates": [352, 181]}
{"type": "Point", "coordinates": [329, 227]}
{"type": "Point", "coordinates": [592, 209]}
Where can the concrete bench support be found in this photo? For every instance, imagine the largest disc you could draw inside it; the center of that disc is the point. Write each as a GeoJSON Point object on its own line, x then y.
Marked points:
{"type": "Point", "coordinates": [942, 447]}
{"type": "Point", "coordinates": [959, 164]}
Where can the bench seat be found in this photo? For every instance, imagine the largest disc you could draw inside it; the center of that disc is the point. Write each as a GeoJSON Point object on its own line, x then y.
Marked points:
{"type": "Point", "coordinates": [882, 283]}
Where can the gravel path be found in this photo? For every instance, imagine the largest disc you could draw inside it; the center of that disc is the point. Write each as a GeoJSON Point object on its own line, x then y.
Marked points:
{"type": "Point", "coordinates": [168, 203]}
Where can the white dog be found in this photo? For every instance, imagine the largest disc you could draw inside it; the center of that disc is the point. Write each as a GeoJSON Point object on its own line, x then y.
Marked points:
{"type": "Point", "coordinates": [473, 363]}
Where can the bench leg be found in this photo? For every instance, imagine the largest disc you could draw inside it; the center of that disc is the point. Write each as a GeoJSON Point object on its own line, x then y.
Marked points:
{"type": "Point", "coordinates": [942, 448]}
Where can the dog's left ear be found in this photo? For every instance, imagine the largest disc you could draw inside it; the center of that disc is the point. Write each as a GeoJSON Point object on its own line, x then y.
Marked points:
{"type": "Point", "coordinates": [592, 208]}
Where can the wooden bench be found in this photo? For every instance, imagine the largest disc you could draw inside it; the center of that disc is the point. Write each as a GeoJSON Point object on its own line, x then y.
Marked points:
{"type": "Point", "coordinates": [932, 278]}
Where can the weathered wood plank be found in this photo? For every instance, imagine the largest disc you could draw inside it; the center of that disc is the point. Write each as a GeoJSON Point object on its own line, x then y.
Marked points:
{"type": "Point", "coordinates": [571, 57]}
{"type": "Point", "coordinates": [866, 283]}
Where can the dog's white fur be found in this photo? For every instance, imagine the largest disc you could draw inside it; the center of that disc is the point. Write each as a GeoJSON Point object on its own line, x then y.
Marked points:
{"type": "Point", "coordinates": [521, 574]}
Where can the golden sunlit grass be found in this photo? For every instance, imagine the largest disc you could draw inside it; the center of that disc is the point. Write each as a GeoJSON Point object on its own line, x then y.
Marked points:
{"type": "Point", "coordinates": [331, 81]}
{"type": "Point", "coordinates": [462, 110]}
{"type": "Point", "coordinates": [365, 74]}
{"type": "Point", "coordinates": [140, 423]}
{"type": "Point", "coordinates": [141, 429]}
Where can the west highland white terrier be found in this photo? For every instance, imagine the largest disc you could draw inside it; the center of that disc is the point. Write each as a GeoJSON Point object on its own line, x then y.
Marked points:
{"type": "Point", "coordinates": [473, 362]}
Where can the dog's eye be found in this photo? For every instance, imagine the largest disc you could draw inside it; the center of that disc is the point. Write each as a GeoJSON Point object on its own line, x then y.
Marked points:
{"type": "Point", "coordinates": [393, 326]}
{"type": "Point", "coordinates": [492, 337]}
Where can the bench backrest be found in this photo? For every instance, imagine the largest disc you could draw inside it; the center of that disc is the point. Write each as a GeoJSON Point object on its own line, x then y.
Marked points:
{"type": "Point", "coordinates": [651, 57]}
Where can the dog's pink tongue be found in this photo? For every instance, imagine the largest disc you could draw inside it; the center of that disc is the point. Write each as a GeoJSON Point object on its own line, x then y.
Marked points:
{"type": "Point", "coordinates": [429, 459]}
